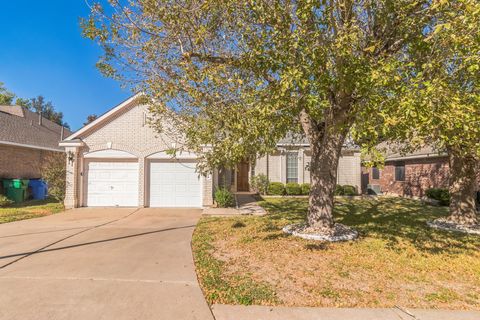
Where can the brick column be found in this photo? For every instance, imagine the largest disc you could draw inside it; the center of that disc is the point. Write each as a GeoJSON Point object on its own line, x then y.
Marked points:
{"type": "Point", "coordinates": [207, 189]}
{"type": "Point", "coordinates": [72, 178]}
{"type": "Point", "coordinates": [142, 188]}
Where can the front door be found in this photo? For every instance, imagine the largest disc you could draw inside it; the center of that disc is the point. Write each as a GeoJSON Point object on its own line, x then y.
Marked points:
{"type": "Point", "coordinates": [242, 176]}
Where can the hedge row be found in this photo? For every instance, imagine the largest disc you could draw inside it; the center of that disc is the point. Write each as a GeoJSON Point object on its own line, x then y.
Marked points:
{"type": "Point", "coordinates": [291, 188]}
{"type": "Point", "coordinates": [295, 189]}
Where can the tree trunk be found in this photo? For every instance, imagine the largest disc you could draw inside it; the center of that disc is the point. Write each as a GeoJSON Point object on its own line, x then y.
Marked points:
{"type": "Point", "coordinates": [326, 146]}
{"type": "Point", "coordinates": [323, 173]}
{"type": "Point", "coordinates": [462, 188]}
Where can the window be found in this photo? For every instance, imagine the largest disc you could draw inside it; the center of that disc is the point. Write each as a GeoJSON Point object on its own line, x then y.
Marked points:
{"type": "Point", "coordinates": [375, 173]}
{"type": "Point", "coordinates": [400, 171]}
{"type": "Point", "coordinates": [292, 167]}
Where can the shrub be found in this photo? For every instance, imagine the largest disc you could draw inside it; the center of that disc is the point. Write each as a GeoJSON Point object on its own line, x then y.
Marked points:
{"type": "Point", "coordinates": [276, 189]}
{"type": "Point", "coordinates": [224, 198]}
{"type": "Point", "coordinates": [4, 201]}
{"type": "Point", "coordinates": [54, 174]}
{"type": "Point", "coordinates": [439, 194]}
{"type": "Point", "coordinates": [345, 190]}
{"type": "Point", "coordinates": [293, 189]}
{"type": "Point", "coordinates": [305, 188]}
{"type": "Point", "coordinates": [338, 190]}
{"type": "Point", "coordinates": [349, 190]}
{"type": "Point", "coordinates": [259, 183]}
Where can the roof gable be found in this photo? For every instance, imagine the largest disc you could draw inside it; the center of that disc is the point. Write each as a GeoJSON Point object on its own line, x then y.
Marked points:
{"type": "Point", "coordinates": [94, 125]}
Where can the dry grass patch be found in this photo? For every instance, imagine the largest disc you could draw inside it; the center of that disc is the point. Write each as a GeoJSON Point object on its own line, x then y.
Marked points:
{"type": "Point", "coordinates": [29, 209]}
{"type": "Point", "coordinates": [398, 260]}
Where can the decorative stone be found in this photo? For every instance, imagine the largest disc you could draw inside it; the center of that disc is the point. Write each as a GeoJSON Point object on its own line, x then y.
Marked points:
{"type": "Point", "coordinates": [443, 224]}
{"type": "Point", "coordinates": [340, 232]}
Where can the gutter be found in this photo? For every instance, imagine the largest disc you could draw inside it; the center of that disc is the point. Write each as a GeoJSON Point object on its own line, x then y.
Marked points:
{"type": "Point", "coordinates": [30, 146]}
{"type": "Point", "coordinates": [420, 156]}
{"type": "Point", "coordinates": [71, 143]}
{"type": "Point", "coordinates": [308, 146]}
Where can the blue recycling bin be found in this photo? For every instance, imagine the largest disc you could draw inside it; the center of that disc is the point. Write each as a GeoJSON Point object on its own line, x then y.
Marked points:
{"type": "Point", "coordinates": [39, 189]}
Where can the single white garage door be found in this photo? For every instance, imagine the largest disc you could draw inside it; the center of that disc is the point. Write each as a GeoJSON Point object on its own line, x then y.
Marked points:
{"type": "Point", "coordinates": [174, 184]}
{"type": "Point", "coordinates": [112, 184]}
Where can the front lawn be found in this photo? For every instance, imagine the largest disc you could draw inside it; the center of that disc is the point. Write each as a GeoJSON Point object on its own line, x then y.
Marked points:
{"type": "Point", "coordinates": [29, 209]}
{"type": "Point", "coordinates": [398, 260]}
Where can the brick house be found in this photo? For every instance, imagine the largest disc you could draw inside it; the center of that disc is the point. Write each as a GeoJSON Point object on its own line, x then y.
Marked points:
{"type": "Point", "coordinates": [26, 140]}
{"type": "Point", "coordinates": [120, 160]}
{"type": "Point", "coordinates": [408, 174]}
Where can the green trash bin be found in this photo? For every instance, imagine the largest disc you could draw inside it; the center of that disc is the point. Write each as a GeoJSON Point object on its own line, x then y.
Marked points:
{"type": "Point", "coordinates": [20, 183]}
{"type": "Point", "coordinates": [6, 183]}
{"type": "Point", "coordinates": [17, 190]}
{"type": "Point", "coordinates": [16, 195]}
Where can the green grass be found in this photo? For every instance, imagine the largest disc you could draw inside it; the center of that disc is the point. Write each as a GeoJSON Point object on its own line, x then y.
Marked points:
{"type": "Point", "coordinates": [398, 259]}
{"type": "Point", "coordinates": [29, 209]}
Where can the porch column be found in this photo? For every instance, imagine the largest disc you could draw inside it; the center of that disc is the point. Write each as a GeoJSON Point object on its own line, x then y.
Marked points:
{"type": "Point", "coordinates": [207, 189]}
{"type": "Point", "coordinates": [142, 182]}
{"type": "Point", "coordinates": [283, 166]}
{"type": "Point", "coordinates": [300, 166]}
{"type": "Point", "coordinates": [72, 182]}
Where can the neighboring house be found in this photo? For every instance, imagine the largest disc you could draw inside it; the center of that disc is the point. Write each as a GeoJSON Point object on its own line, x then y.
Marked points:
{"type": "Point", "coordinates": [26, 140]}
{"type": "Point", "coordinates": [408, 174]}
{"type": "Point", "coordinates": [119, 160]}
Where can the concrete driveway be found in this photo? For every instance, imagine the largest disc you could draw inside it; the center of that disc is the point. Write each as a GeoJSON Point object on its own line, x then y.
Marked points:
{"type": "Point", "coordinates": [101, 264]}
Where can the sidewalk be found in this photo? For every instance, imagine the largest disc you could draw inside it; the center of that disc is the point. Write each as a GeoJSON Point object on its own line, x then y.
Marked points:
{"type": "Point", "coordinates": [230, 312]}
{"type": "Point", "coordinates": [246, 204]}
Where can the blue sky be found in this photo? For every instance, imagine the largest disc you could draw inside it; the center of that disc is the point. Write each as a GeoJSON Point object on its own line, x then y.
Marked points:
{"type": "Point", "coordinates": [43, 53]}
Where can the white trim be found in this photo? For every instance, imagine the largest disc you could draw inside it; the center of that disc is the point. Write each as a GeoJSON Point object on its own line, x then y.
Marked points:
{"type": "Point", "coordinates": [71, 143]}
{"type": "Point", "coordinates": [104, 116]}
{"type": "Point", "coordinates": [299, 145]}
{"type": "Point", "coordinates": [293, 145]}
{"type": "Point", "coordinates": [425, 156]}
{"type": "Point", "coordinates": [109, 154]}
{"type": "Point", "coordinates": [29, 146]}
{"type": "Point", "coordinates": [180, 155]}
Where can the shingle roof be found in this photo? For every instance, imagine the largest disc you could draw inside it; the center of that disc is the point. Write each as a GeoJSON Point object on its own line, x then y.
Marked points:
{"type": "Point", "coordinates": [300, 139]}
{"type": "Point", "coordinates": [394, 151]}
{"type": "Point", "coordinates": [20, 126]}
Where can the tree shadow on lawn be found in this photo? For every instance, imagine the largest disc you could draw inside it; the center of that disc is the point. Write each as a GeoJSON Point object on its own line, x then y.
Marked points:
{"type": "Point", "coordinates": [397, 221]}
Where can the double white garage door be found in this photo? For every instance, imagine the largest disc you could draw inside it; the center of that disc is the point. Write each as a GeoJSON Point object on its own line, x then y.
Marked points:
{"type": "Point", "coordinates": [170, 184]}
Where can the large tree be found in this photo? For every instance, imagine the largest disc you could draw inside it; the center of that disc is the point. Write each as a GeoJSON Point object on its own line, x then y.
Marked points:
{"type": "Point", "coordinates": [46, 108]}
{"type": "Point", "coordinates": [90, 119]}
{"type": "Point", "coordinates": [440, 106]}
{"type": "Point", "coordinates": [239, 75]}
{"type": "Point", "coordinates": [6, 97]}
{"type": "Point", "coordinates": [38, 104]}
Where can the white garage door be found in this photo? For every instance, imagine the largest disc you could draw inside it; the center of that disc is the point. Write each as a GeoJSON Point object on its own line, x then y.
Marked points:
{"type": "Point", "coordinates": [174, 184]}
{"type": "Point", "coordinates": [112, 184]}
